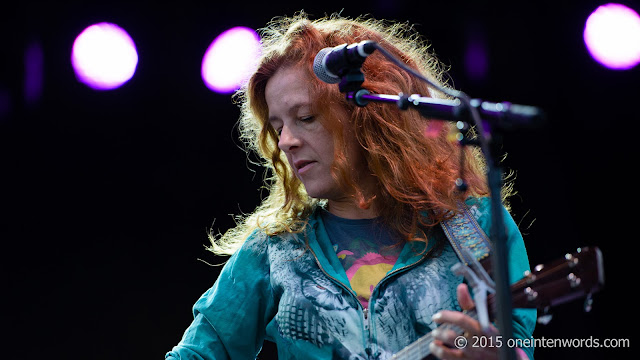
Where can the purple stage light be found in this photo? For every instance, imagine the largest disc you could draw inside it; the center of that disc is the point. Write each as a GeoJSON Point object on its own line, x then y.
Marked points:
{"type": "Point", "coordinates": [230, 59]}
{"type": "Point", "coordinates": [104, 56]}
{"type": "Point", "coordinates": [33, 73]}
{"type": "Point", "coordinates": [476, 61]}
{"type": "Point", "coordinates": [612, 36]}
{"type": "Point", "coordinates": [476, 54]}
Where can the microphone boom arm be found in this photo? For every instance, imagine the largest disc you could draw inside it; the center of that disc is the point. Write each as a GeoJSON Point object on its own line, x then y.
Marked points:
{"type": "Point", "coordinates": [504, 115]}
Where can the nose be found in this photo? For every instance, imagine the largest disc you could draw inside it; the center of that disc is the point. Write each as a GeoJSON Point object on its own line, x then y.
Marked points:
{"type": "Point", "coordinates": [288, 140]}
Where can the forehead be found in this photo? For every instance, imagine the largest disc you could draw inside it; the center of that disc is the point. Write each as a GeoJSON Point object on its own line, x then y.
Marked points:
{"type": "Point", "coordinates": [288, 88]}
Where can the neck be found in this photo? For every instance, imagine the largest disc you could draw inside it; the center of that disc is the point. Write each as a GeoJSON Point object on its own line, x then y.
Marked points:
{"type": "Point", "coordinates": [349, 209]}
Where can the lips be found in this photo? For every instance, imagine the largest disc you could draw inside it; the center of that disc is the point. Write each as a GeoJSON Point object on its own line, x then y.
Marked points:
{"type": "Point", "coordinates": [303, 165]}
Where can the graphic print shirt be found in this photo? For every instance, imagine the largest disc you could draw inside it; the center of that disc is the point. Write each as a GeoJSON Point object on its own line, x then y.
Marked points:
{"type": "Point", "coordinates": [366, 250]}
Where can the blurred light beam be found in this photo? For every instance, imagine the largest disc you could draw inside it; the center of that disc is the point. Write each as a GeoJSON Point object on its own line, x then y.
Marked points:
{"type": "Point", "coordinates": [612, 36]}
{"type": "Point", "coordinates": [104, 56]}
{"type": "Point", "coordinates": [33, 73]}
{"type": "Point", "coordinates": [230, 59]}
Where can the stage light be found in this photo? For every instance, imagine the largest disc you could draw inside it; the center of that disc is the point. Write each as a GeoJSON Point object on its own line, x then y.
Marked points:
{"type": "Point", "coordinates": [230, 59]}
{"type": "Point", "coordinates": [476, 61]}
{"type": "Point", "coordinates": [612, 36]}
{"type": "Point", "coordinates": [33, 73]}
{"type": "Point", "coordinates": [104, 56]}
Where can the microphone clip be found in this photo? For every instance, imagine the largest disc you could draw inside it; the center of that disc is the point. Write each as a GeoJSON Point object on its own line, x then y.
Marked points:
{"type": "Point", "coordinates": [351, 81]}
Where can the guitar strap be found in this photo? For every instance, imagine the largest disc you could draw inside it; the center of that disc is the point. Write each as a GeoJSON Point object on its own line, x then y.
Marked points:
{"type": "Point", "coordinates": [463, 231]}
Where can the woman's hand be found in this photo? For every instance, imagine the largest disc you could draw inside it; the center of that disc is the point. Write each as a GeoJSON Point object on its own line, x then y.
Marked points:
{"type": "Point", "coordinates": [445, 346]}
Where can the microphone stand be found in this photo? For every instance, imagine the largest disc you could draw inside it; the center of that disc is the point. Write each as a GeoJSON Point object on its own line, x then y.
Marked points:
{"type": "Point", "coordinates": [495, 116]}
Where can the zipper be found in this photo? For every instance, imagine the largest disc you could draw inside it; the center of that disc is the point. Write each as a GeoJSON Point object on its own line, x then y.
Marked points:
{"type": "Point", "coordinates": [373, 349]}
{"type": "Point", "coordinates": [365, 319]}
{"type": "Point", "coordinates": [393, 273]}
{"type": "Point", "coordinates": [367, 324]}
{"type": "Point", "coordinates": [334, 279]}
{"type": "Point", "coordinates": [365, 312]}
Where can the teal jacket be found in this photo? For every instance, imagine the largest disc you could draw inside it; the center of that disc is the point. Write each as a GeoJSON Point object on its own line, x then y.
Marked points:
{"type": "Point", "coordinates": [292, 290]}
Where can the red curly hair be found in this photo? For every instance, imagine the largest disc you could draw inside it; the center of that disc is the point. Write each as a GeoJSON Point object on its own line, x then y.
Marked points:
{"type": "Point", "coordinates": [415, 173]}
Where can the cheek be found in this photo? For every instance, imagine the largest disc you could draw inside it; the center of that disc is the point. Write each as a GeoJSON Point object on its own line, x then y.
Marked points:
{"type": "Point", "coordinates": [329, 149]}
{"type": "Point", "coordinates": [325, 146]}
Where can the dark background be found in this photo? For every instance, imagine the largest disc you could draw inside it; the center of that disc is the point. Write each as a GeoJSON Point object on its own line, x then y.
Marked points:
{"type": "Point", "coordinates": [106, 197]}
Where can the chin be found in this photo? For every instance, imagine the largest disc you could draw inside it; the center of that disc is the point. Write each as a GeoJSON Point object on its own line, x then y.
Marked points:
{"type": "Point", "coordinates": [324, 187]}
{"type": "Point", "coordinates": [315, 190]}
{"type": "Point", "coordinates": [323, 192]}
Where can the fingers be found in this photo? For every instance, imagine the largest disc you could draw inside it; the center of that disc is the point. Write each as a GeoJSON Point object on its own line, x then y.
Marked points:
{"type": "Point", "coordinates": [446, 336]}
{"type": "Point", "coordinates": [521, 355]}
{"type": "Point", "coordinates": [465, 322]}
{"type": "Point", "coordinates": [464, 297]}
{"type": "Point", "coordinates": [449, 345]}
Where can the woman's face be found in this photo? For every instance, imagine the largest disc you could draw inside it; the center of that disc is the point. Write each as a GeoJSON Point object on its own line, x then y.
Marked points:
{"type": "Point", "coordinates": [307, 144]}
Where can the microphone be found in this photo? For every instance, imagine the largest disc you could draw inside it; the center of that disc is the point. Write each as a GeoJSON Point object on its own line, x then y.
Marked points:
{"type": "Point", "coordinates": [330, 64]}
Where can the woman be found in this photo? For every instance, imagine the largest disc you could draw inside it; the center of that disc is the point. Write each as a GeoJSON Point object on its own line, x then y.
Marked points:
{"type": "Point", "coordinates": [346, 257]}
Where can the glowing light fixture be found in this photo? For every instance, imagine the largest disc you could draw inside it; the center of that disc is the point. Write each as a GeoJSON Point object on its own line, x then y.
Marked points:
{"type": "Point", "coordinates": [476, 60]}
{"type": "Point", "coordinates": [230, 59]}
{"type": "Point", "coordinates": [612, 36]}
{"type": "Point", "coordinates": [33, 72]}
{"type": "Point", "coordinates": [104, 56]}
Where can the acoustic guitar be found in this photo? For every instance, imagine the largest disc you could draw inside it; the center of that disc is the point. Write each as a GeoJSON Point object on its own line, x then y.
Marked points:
{"type": "Point", "coordinates": [575, 276]}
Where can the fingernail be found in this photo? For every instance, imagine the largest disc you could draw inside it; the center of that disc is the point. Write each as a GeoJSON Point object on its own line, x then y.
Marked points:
{"type": "Point", "coordinates": [436, 317]}
{"type": "Point", "coordinates": [435, 350]}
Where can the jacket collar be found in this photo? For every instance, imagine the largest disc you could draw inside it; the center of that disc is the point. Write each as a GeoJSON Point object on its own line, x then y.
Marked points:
{"type": "Point", "coordinates": [319, 242]}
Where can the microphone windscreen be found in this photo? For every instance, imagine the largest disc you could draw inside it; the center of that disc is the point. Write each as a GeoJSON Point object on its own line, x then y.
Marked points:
{"type": "Point", "coordinates": [320, 69]}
